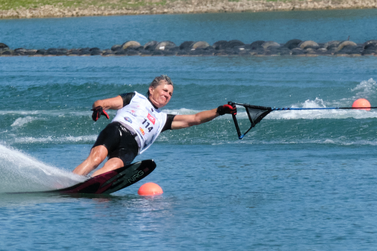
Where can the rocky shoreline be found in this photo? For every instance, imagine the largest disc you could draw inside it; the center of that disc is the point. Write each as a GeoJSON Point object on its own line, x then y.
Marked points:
{"type": "Point", "coordinates": [184, 6]}
{"type": "Point", "coordinates": [294, 47]}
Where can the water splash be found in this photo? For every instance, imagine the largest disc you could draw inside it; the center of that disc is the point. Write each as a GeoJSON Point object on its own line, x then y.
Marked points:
{"type": "Point", "coordinates": [366, 89]}
{"type": "Point", "coordinates": [181, 111]}
{"type": "Point", "coordinates": [22, 173]}
{"type": "Point", "coordinates": [23, 121]}
{"type": "Point", "coordinates": [53, 139]}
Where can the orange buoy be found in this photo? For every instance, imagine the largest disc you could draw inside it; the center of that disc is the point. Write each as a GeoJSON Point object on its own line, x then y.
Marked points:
{"type": "Point", "coordinates": [361, 102]}
{"type": "Point", "coordinates": [150, 189]}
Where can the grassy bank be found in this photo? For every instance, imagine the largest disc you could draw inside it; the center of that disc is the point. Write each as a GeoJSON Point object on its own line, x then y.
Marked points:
{"type": "Point", "coordinates": [33, 4]}
{"type": "Point", "coordinates": [69, 8]}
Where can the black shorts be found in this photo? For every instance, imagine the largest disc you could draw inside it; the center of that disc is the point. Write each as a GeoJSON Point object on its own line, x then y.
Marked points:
{"type": "Point", "coordinates": [119, 142]}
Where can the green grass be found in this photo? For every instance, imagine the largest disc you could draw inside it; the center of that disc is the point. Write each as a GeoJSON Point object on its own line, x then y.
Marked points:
{"type": "Point", "coordinates": [16, 4]}
{"type": "Point", "coordinates": [107, 4]}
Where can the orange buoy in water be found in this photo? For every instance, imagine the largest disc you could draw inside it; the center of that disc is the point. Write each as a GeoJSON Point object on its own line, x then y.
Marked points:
{"type": "Point", "coordinates": [150, 189]}
{"type": "Point", "coordinates": [361, 102]}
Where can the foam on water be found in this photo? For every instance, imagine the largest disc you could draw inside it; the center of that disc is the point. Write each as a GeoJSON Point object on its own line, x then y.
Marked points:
{"type": "Point", "coordinates": [52, 113]}
{"type": "Point", "coordinates": [52, 139]}
{"type": "Point", "coordinates": [23, 121]}
{"type": "Point", "coordinates": [22, 173]}
{"type": "Point", "coordinates": [365, 89]}
{"type": "Point", "coordinates": [181, 111]}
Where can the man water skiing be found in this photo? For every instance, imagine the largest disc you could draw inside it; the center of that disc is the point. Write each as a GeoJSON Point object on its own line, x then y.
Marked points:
{"type": "Point", "coordinates": [137, 124]}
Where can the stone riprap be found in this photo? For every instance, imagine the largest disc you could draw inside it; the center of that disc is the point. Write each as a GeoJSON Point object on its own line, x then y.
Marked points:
{"type": "Point", "coordinates": [294, 47]}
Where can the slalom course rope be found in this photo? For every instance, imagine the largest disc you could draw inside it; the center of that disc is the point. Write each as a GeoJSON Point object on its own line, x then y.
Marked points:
{"type": "Point", "coordinates": [320, 108]}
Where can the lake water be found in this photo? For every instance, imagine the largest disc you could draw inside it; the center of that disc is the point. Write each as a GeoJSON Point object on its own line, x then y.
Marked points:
{"type": "Point", "coordinates": [299, 180]}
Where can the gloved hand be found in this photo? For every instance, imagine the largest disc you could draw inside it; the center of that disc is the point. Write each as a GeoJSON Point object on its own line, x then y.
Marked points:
{"type": "Point", "coordinates": [222, 109]}
{"type": "Point", "coordinates": [97, 112]}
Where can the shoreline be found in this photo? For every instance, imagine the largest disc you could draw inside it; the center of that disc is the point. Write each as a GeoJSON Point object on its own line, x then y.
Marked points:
{"type": "Point", "coordinates": [294, 47]}
{"type": "Point", "coordinates": [151, 7]}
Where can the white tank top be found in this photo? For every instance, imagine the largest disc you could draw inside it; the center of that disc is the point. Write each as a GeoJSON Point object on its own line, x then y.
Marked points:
{"type": "Point", "coordinates": [140, 117]}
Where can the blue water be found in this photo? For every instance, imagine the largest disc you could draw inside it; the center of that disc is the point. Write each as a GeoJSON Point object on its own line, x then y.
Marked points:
{"type": "Point", "coordinates": [300, 180]}
{"type": "Point", "coordinates": [104, 32]}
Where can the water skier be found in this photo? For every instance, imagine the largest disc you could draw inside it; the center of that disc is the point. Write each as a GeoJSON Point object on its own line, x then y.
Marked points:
{"type": "Point", "coordinates": [137, 124]}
